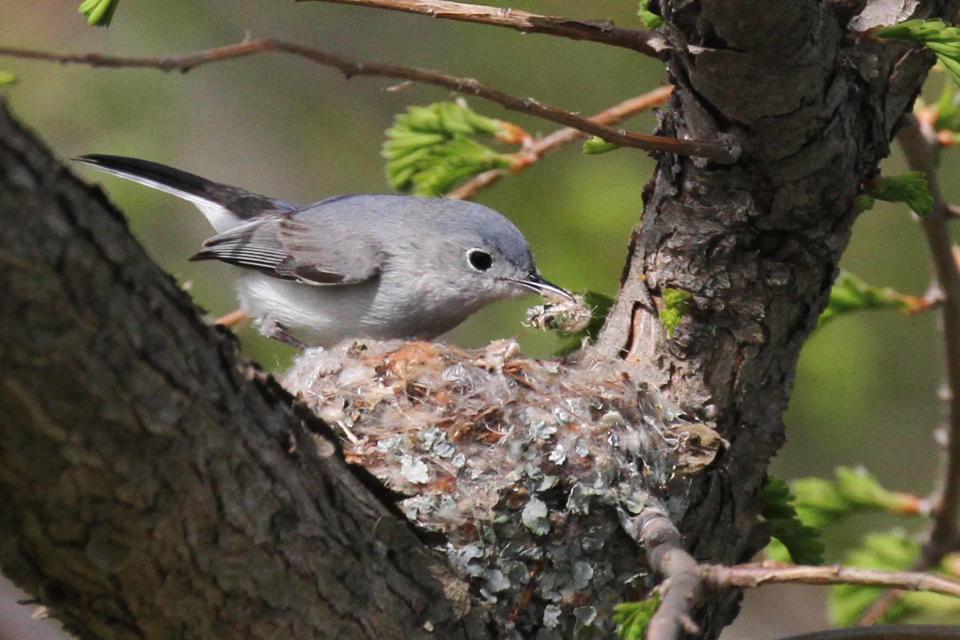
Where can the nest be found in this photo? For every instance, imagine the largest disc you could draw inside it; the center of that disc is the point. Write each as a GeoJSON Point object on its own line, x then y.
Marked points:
{"type": "Point", "coordinates": [527, 467]}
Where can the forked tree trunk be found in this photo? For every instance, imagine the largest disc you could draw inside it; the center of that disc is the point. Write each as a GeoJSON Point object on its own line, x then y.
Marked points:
{"type": "Point", "coordinates": [155, 484]}
{"type": "Point", "coordinates": [812, 104]}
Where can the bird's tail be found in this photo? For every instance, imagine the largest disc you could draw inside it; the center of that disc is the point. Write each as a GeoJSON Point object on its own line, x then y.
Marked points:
{"type": "Point", "coordinates": [225, 207]}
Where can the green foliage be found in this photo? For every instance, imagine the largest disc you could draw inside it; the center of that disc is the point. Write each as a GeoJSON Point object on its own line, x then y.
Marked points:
{"type": "Point", "coordinates": [600, 304]}
{"type": "Point", "coordinates": [632, 618]}
{"type": "Point", "coordinates": [674, 309]}
{"type": "Point", "coordinates": [851, 293]}
{"type": "Point", "coordinates": [821, 502]}
{"type": "Point", "coordinates": [776, 551]}
{"type": "Point", "coordinates": [430, 149]}
{"type": "Point", "coordinates": [793, 541]}
{"type": "Point", "coordinates": [864, 202]}
{"type": "Point", "coordinates": [7, 78]}
{"type": "Point", "coordinates": [99, 13]}
{"type": "Point", "coordinates": [649, 19]}
{"type": "Point", "coordinates": [948, 109]}
{"type": "Point", "coordinates": [936, 35]}
{"type": "Point", "coordinates": [597, 145]}
{"type": "Point", "coordinates": [891, 551]}
{"type": "Point", "coordinates": [909, 188]}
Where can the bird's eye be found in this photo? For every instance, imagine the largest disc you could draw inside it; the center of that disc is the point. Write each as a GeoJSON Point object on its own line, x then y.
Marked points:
{"type": "Point", "coordinates": [479, 259]}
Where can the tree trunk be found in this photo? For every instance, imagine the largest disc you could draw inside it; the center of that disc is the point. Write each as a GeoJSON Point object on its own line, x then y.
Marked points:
{"type": "Point", "coordinates": [155, 484]}
{"type": "Point", "coordinates": [812, 106]}
{"type": "Point", "coordinates": [152, 482]}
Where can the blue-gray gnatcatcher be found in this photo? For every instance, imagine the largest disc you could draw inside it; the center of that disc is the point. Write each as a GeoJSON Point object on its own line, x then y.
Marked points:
{"type": "Point", "coordinates": [360, 266]}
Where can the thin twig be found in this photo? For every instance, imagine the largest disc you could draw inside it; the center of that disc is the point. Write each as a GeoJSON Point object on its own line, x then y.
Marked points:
{"type": "Point", "coordinates": [752, 576]}
{"type": "Point", "coordinates": [537, 149]}
{"type": "Point", "coordinates": [885, 632]}
{"type": "Point", "coordinates": [918, 147]}
{"type": "Point", "coordinates": [682, 586]}
{"type": "Point", "coordinates": [349, 68]}
{"type": "Point", "coordinates": [881, 605]}
{"type": "Point", "coordinates": [685, 580]}
{"type": "Point", "coordinates": [646, 42]}
{"type": "Point", "coordinates": [918, 139]}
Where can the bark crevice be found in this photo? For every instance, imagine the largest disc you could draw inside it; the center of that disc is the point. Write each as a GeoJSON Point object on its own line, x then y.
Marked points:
{"type": "Point", "coordinates": [153, 481]}
{"type": "Point", "coordinates": [812, 107]}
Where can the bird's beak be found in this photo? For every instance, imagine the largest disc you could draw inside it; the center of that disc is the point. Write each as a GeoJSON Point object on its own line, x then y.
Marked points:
{"type": "Point", "coordinates": [538, 285]}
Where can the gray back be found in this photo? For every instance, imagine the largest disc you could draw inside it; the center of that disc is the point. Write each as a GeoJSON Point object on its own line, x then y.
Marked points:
{"type": "Point", "coordinates": [346, 239]}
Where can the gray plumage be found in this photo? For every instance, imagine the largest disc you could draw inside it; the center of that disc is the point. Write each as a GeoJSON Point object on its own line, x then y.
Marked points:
{"type": "Point", "coordinates": [375, 266]}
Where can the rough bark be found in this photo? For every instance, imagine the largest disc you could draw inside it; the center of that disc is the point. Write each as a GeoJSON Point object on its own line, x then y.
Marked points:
{"type": "Point", "coordinates": [813, 106]}
{"type": "Point", "coordinates": [152, 482]}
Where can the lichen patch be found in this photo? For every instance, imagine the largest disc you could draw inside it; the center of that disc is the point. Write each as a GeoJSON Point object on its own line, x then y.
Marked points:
{"type": "Point", "coordinates": [526, 466]}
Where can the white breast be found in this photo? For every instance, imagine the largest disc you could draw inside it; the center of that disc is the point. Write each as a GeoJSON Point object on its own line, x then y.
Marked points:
{"type": "Point", "coordinates": [326, 315]}
{"type": "Point", "coordinates": [316, 315]}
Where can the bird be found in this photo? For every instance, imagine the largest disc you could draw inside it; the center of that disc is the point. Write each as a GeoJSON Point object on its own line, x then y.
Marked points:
{"type": "Point", "coordinates": [366, 266]}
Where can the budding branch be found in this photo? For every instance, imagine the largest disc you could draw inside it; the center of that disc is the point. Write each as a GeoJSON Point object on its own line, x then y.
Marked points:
{"type": "Point", "coordinates": [537, 149]}
{"type": "Point", "coordinates": [605, 32]}
{"type": "Point", "coordinates": [349, 68]}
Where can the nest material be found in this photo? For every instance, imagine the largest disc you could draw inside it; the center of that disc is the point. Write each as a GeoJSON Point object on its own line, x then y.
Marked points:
{"type": "Point", "coordinates": [527, 467]}
{"type": "Point", "coordinates": [568, 317]}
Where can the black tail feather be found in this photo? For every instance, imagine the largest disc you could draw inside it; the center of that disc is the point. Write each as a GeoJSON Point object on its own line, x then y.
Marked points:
{"type": "Point", "coordinates": [242, 203]}
{"type": "Point", "coordinates": [173, 178]}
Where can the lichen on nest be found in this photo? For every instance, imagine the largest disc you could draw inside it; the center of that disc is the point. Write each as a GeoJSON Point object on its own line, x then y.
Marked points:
{"type": "Point", "coordinates": [526, 466]}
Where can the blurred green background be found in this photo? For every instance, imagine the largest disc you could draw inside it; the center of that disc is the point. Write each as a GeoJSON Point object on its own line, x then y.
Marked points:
{"type": "Point", "coordinates": [866, 390]}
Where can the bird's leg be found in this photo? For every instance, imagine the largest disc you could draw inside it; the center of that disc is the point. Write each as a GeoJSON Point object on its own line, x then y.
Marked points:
{"type": "Point", "coordinates": [232, 319]}
{"type": "Point", "coordinates": [273, 329]}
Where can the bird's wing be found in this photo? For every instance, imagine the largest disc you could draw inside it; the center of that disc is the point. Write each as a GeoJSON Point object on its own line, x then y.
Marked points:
{"type": "Point", "coordinates": [225, 207]}
{"type": "Point", "coordinates": [287, 248]}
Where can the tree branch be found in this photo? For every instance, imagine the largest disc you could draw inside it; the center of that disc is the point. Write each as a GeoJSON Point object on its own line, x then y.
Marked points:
{"type": "Point", "coordinates": [884, 632]}
{"type": "Point", "coordinates": [682, 585]}
{"type": "Point", "coordinates": [881, 605]}
{"type": "Point", "coordinates": [152, 480]}
{"type": "Point", "coordinates": [537, 149]}
{"type": "Point", "coordinates": [752, 576]}
{"type": "Point", "coordinates": [685, 580]}
{"type": "Point", "coordinates": [646, 42]}
{"type": "Point", "coordinates": [919, 142]}
{"type": "Point", "coordinates": [349, 68]}
{"type": "Point", "coordinates": [758, 266]}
